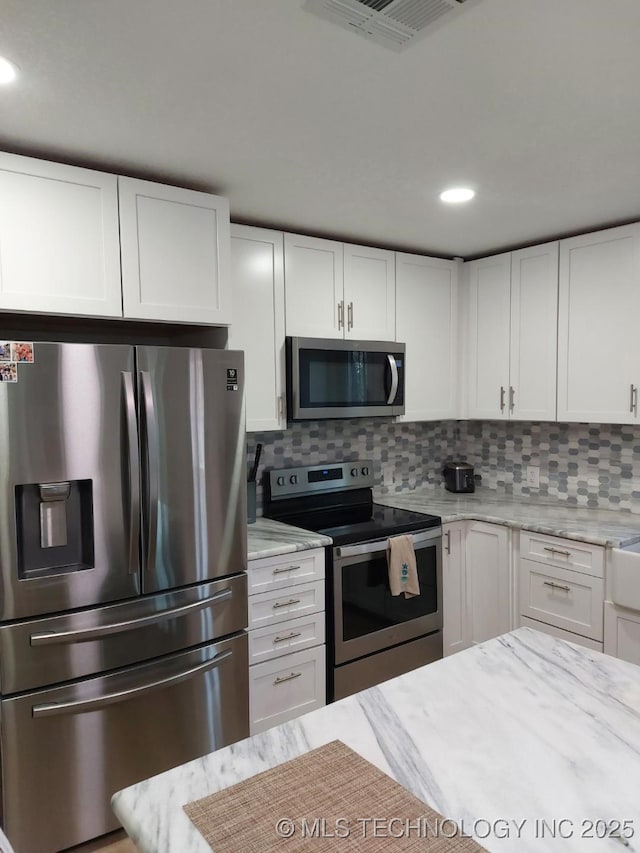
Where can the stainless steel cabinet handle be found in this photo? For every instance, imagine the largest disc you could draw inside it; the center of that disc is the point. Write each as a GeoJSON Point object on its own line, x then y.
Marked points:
{"type": "Point", "coordinates": [557, 586]}
{"type": "Point", "coordinates": [134, 471]}
{"type": "Point", "coordinates": [83, 635]}
{"type": "Point", "coordinates": [82, 706]}
{"type": "Point", "coordinates": [290, 636]}
{"type": "Point", "coordinates": [512, 397]}
{"type": "Point", "coordinates": [633, 402]}
{"type": "Point", "coordinates": [447, 537]}
{"type": "Point", "coordinates": [153, 466]}
{"type": "Point", "coordinates": [341, 314]}
{"type": "Point", "coordinates": [281, 405]}
{"type": "Point", "coordinates": [350, 317]}
{"type": "Point", "coordinates": [394, 378]}
{"type": "Point", "coordinates": [288, 569]}
{"type": "Point", "coordinates": [282, 679]}
{"type": "Point", "coordinates": [557, 551]}
{"type": "Point", "coordinates": [502, 398]}
{"type": "Point", "coordinates": [286, 603]}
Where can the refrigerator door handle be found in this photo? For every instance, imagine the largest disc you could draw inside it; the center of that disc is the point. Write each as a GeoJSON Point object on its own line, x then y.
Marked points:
{"type": "Point", "coordinates": [83, 635]}
{"type": "Point", "coordinates": [134, 471]}
{"type": "Point", "coordinates": [153, 463]}
{"type": "Point", "coordinates": [82, 706]}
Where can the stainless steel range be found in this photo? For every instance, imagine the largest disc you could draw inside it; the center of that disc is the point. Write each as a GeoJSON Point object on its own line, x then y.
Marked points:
{"type": "Point", "coordinates": [123, 594]}
{"type": "Point", "coordinates": [371, 635]}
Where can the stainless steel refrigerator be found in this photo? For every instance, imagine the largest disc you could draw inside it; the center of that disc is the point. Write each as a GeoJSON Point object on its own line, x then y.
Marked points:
{"type": "Point", "coordinates": [123, 597]}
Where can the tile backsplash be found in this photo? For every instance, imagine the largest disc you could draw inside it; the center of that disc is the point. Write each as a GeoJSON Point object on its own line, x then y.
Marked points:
{"type": "Point", "coordinates": [595, 465]}
{"type": "Point", "coordinates": [404, 455]}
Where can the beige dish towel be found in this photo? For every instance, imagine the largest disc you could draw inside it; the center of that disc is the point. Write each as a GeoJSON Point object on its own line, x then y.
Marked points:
{"type": "Point", "coordinates": [403, 571]}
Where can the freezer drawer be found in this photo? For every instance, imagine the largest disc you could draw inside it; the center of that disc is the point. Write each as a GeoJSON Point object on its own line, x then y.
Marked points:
{"type": "Point", "coordinates": [67, 750]}
{"type": "Point", "coordinates": [62, 648]}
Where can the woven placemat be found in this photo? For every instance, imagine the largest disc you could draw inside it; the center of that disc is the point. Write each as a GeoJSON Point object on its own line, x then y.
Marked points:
{"type": "Point", "coordinates": [325, 800]}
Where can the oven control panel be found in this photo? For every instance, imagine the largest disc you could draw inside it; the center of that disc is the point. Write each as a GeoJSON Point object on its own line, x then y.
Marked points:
{"type": "Point", "coordinates": [311, 479]}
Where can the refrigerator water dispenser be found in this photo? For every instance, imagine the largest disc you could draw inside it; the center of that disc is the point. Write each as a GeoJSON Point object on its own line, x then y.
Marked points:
{"type": "Point", "coordinates": [55, 527]}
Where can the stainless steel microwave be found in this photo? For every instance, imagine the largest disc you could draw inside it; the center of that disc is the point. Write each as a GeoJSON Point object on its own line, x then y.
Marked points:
{"type": "Point", "coordinates": [344, 379]}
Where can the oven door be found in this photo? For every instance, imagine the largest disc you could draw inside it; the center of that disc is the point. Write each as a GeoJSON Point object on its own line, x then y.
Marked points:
{"type": "Point", "coordinates": [367, 618]}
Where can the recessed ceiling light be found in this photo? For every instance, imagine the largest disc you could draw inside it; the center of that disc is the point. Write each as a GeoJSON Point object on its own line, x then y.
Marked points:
{"type": "Point", "coordinates": [8, 71]}
{"type": "Point", "coordinates": [457, 194]}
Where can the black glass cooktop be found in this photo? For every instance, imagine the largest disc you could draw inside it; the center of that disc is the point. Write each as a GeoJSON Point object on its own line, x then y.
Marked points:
{"type": "Point", "coordinates": [362, 524]}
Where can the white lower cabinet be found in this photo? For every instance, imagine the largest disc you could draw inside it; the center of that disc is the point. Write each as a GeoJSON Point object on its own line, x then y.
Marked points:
{"type": "Point", "coordinates": [562, 586]}
{"type": "Point", "coordinates": [287, 665]}
{"type": "Point", "coordinates": [525, 622]}
{"type": "Point", "coordinates": [622, 632]}
{"type": "Point", "coordinates": [476, 584]}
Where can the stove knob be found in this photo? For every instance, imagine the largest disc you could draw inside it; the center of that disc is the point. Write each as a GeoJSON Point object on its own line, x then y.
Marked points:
{"type": "Point", "coordinates": [365, 471]}
{"type": "Point", "coordinates": [354, 472]}
{"type": "Point", "coordinates": [280, 481]}
{"type": "Point", "coordinates": [293, 479]}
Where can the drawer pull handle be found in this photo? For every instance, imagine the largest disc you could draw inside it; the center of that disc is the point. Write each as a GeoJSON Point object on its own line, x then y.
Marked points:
{"type": "Point", "coordinates": [557, 586]}
{"type": "Point", "coordinates": [558, 551]}
{"type": "Point", "coordinates": [288, 569]}
{"type": "Point", "coordinates": [282, 679]}
{"type": "Point", "coordinates": [286, 603]}
{"type": "Point", "coordinates": [290, 636]}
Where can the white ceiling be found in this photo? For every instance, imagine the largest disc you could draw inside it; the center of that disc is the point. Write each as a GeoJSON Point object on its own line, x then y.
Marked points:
{"type": "Point", "coordinates": [304, 126]}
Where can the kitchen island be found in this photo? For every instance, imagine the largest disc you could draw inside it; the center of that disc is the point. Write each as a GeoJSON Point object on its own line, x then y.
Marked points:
{"type": "Point", "coordinates": [520, 739]}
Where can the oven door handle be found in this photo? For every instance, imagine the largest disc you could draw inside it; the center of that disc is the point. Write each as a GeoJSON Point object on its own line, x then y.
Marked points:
{"type": "Point", "coordinates": [420, 540]}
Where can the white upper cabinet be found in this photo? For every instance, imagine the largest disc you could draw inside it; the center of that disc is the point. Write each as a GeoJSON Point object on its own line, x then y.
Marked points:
{"type": "Point", "coordinates": [513, 301]}
{"type": "Point", "coordinates": [333, 290]}
{"type": "Point", "coordinates": [426, 321]}
{"type": "Point", "coordinates": [59, 245]}
{"type": "Point", "coordinates": [598, 341]}
{"type": "Point", "coordinates": [489, 320]}
{"type": "Point", "coordinates": [314, 287]}
{"type": "Point", "coordinates": [175, 254]}
{"type": "Point", "coordinates": [534, 331]}
{"type": "Point", "coordinates": [369, 294]}
{"type": "Point", "coordinates": [258, 322]}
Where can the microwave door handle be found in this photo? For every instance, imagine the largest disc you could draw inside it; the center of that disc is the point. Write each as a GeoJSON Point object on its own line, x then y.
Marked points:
{"type": "Point", "coordinates": [394, 378]}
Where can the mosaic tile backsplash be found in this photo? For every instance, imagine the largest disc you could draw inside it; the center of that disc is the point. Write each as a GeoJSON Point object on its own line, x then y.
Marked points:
{"type": "Point", "coordinates": [594, 465]}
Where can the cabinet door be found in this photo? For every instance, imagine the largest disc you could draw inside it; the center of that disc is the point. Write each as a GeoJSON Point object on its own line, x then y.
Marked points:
{"type": "Point", "coordinates": [454, 603]}
{"type": "Point", "coordinates": [488, 581]}
{"type": "Point", "coordinates": [257, 279]}
{"type": "Point", "coordinates": [314, 298]}
{"type": "Point", "coordinates": [534, 330]}
{"type": "Point", "coordinates": [369, 294]}
{"type": "Point", "coordinates": [59, 244]}
{"type": "Point", "coordinates": [489, 318]}
{"type": "Point", "coordinates": [598, 341]}
{"type": "Point", "coordinates": [426, 321]}
{"type": "Point", "coordinates": [622, 633]}
{"type": "Point", "coordinates": [175, 254]}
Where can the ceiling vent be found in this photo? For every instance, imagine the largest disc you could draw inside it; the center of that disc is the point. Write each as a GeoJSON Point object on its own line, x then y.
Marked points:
{"type": "Point", "coordinates": [392, 23]}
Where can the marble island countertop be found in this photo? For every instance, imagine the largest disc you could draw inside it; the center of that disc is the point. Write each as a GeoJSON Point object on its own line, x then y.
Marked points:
{"type": "Point", "coordinates": [268, 538]}
{"type": "Point", "coordinates": [617, 529]}
{"type": "Point", "coordinates": [519, 730]}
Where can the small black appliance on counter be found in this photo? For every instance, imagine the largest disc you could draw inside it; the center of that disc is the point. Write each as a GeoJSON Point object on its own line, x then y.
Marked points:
{"type": "Point", "coordinates": [458, 477]}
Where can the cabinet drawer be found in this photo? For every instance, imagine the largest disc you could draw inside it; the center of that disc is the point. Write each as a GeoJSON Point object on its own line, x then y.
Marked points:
{"type": "Point", "coordinates": [269, 608]}
{"type": "Point", "coordinates": [566, 599]}
{"type": "Point", "coordinates": [285, 570]}
{"type": "Point", "coordinates": [561, 634]}
{"type": "Point", "coordinates": [565, 553]}
{"type": "Point", "coordinates": [286, 688]}
{"type": "Point", "coordinates": [273, 641]}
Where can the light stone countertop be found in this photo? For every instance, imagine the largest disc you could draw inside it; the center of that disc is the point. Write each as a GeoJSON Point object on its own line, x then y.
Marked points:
{"type": "Point", "coordinates": [523, 728]}
{"type": "Point", "coordinates": [614, 528]}
{"type": "Point", "coordinates": [268, 538]}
